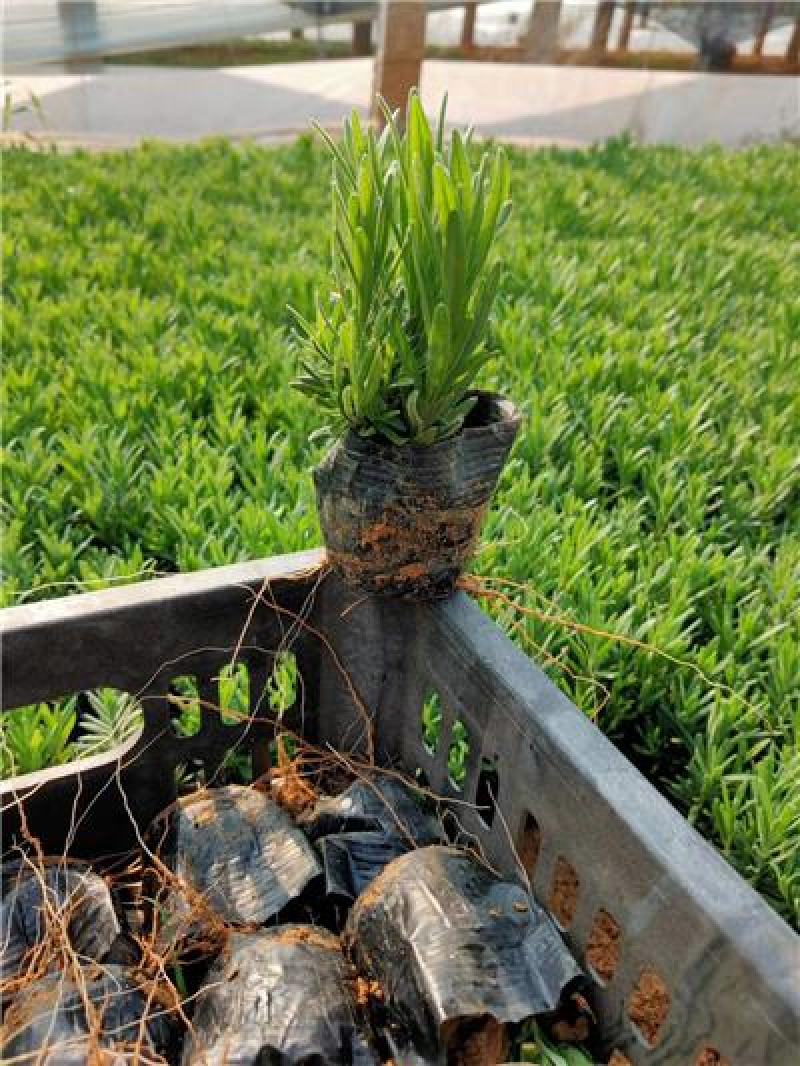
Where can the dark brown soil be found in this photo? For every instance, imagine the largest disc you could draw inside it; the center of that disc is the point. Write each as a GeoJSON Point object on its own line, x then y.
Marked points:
{"type": "Point", "coordinates": [366, 992]}
{"type": "Point", "coordinates": [476, 1042]}
{"type": "Point", "coordinates": [408, 553]}
{"type": "Point", "coordinates": [564, 893]}
{"type": "Point", "coordinates": [649, 1005]}
{"type": "Point", "coordinates": [529, 845]}
{"type": "Point", "coordinates": [618, 1059]}
{"type": "Point", "coordinates": [572, 1031]}
{"type": "Point", "coordinates": [602, 950]}
{"type": "Point", "coordinates": [709, 1056]}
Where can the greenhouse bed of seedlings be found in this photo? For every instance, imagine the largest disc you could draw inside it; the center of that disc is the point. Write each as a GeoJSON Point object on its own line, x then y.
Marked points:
{"type": "Point", "coordinates": [680, 961]}
{"type": "Point", "coordinates": [649, 509]}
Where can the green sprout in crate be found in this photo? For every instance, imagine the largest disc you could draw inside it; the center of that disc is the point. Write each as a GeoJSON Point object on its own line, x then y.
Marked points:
{"type": "Point", "coordinates": [396, 348]}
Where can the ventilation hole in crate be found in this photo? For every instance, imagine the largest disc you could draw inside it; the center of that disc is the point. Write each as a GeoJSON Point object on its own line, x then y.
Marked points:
{"type": "Point", "coordinates": [709, 1056]}
{"type": "Point", "coordinates": [107, 718]}
{"type": "Point", "coordinates": [431, 722]}
{"type": "Point", "coordinates": [234, 693]}
{"type": "Point", "coordinates": [458, 754]}
{"type": "Point", "coordinates": [563, 900]}
{"type": "Point", "coordinates": [185, 709]}
{"type": "Point", "coordinates": [236, 769]}
{"type": "Point", "coordinates": [648, 1006]}
{"type": "Point", "coordinates": [453, 829]}
{"type": "Point", "coordinates": [486, 792]}
{"type": "Point", "coordinates": [529, 843]}
{"type": "Point", "coordinates": [603, 946]}
{"type": "Point", "coordinates": [283, 685]}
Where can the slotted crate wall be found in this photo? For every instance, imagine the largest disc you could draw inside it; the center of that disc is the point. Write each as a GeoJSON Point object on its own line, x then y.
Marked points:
{"type": "Point", "coordinates": [543, 789]}
{"type": "Point", "coordinates": [139, 639]}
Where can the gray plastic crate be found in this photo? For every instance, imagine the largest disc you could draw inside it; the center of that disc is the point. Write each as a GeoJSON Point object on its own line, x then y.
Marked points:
{"type": "Point", "coordinates": [549, 786]}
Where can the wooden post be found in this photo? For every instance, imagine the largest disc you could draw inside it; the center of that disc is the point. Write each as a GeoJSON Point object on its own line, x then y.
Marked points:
{"type": "Point", "coordinates": [401, 48]}
{"type": "Point", "coordinates": [626, 28]}
{"type": "Point", "coordinates": [362, 38]}
{"type": "Point", "coordinates": [468, 25]}
{"type": "Point", "coordinates": [81, 35]}
{"type": "Point", "coordinates": [297, 34]}
{"type": "Point", "coordinates": [541, 40]}
{"type": "Point", "coordinates": [763, 30]}
{"type": "Point", "coordinates": [602, 26]}
{"type": "Point", "coordinates": [793, 48]}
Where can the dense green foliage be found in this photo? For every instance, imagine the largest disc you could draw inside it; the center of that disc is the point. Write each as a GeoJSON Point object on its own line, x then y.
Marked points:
{"type": "Point", "coordinates": [395, 347]}
{"type": "Point", "coordinates": [649, 331]}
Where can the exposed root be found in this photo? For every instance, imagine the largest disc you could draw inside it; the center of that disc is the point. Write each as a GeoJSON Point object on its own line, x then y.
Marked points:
{"type": "Point", "coordinates": [289, 783]}
{"type": "Point", "coordinates": [481, 588]}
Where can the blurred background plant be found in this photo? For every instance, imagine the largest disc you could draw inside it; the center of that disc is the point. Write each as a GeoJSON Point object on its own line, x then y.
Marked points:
{"type": "Point", "coordinates": [36, 737]}
{"type": "Point", "coordinates": [27, 102]}
{"type": "Point", "coordinates": [402, 338]}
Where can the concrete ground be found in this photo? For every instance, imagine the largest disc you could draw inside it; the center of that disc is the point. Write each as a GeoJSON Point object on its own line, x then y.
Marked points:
{"type": "Point", "coordinates": [531, 104]}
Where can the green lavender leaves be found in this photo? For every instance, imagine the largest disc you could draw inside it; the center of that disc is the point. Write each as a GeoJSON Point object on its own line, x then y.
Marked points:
{"type": "Point", "coordinates": [395, 349]}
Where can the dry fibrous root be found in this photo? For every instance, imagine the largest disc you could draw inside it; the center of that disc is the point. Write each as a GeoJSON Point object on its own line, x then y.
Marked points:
{"type": "Point", "coordinates": [291, 782]}
{"type": "Point", "coordinates": [502, 591]}
{"type": "Point", "coordinates": [46, 910]}
{"type": "Point", "coordinates": [83, 987]}
{"type": "Point", "coordinates": [73, 968]}
{"type": "Point", "coordinates": [103, 1014]}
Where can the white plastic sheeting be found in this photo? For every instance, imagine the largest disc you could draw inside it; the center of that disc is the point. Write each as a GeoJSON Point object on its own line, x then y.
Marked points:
{"type": "Point", "coordinates": [43, 30]}
{"type": "Point", "coordinates": [36, 31]}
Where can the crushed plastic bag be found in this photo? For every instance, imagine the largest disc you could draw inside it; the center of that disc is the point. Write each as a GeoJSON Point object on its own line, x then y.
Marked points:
{"type": "Point", "coordinates": [238, 850]}
{"type": "Point", "coordinates": [57, 1021]}
{"type": "Point", "coordinates": [282, 996]}
{"type": "Point", "coordinates": [364, 828]}
{"type": "Point", "coordinates": [63, 894]}
{"type": "Point", "coordinates": [455, 951]}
